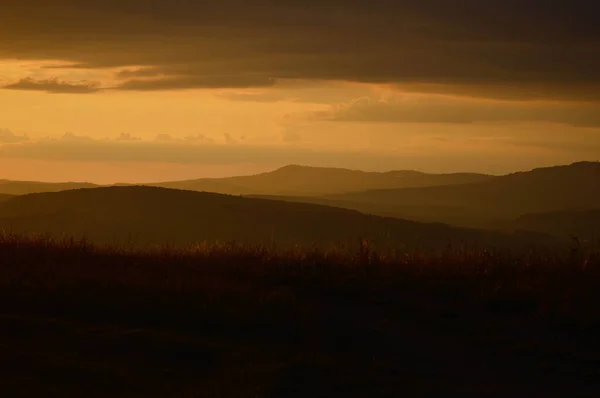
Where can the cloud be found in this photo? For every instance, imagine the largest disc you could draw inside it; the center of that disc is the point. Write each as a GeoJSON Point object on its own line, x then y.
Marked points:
{"type": "Point", "coordinates": [8, 137]}
{"type": "Point", "coordinates": [137, 73]}
{"type": "Point", "coordinates": [291, 137]}
{"type": "Point", "coordinates": [165, 138]}
{"type": "Point", "coordinates": [71, 137]}
{"type": "Point", "coordinates": [520, 149]}
{"type": "Point", "coordinates": [509, 91]}
{"type": "Point", "coordinates": [196, 82]}
{"type": "Point", "coordinates": [52, 86]}
{"type": "Point", "coordinates": [127, 137]}
{"type": "Point", "coordinates": [299, 91]}
{"type": "Point", "coordinates": [229, 140]}
{"type": "Point", "coordinates": [483, 46]}
{"type": "Point", "coordinates": [198, 139]}
{"type": "Point", "coordinates": [176, 151]}
{"type": "Point", "coordinates": [443, 109]}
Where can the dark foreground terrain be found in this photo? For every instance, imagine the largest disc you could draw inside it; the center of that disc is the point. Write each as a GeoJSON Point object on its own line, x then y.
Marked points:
{"type": "Point", "coordinates": [227, 321]}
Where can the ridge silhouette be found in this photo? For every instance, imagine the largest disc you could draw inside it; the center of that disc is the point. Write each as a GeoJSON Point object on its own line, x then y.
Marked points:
{"type": "Point", "coordinates": [290, 180]}
{"type": "Point", "coordinates": [494, 203]}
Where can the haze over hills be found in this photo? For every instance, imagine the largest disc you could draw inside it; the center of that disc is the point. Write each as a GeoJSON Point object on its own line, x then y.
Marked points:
{"type": "Point", "coordinates": [288, 180]}
{"type": "Point", "coordinates": [491, 203]}
{"type": "Point", "coordinates": [25, 187]}
{"type": "Point", "coordinates": [149, 215]}
{"type": "Point", "coordinates": [310, 181]}
{"type": "Point", "coordinates": [462, 199]}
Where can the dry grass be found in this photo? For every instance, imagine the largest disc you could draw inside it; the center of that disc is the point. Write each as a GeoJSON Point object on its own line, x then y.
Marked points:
{"type": "Point", "coordinates": [228, 320]}
{"type": "Point", "coordinates": [532, 283]}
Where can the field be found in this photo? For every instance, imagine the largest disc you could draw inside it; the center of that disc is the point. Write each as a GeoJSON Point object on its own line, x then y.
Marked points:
{"type": "Point", "coordinates": [240, 321]}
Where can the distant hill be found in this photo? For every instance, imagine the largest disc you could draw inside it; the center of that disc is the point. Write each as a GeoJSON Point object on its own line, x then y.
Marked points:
{"type": "Point", "coordinates": [156, 215]}
{"type": "Point", "coordinates": [423, 213]}
{"type": "Point", "coordinates": [288, 180]}
{"type": "Point", "coordinates": [309, 181]}
{"type": "Point", "coordinates": [26, 187]}
{"type": "Point", "coordinates": [584, 224]}
{"type": "Point", "coordinates": [490, 203]}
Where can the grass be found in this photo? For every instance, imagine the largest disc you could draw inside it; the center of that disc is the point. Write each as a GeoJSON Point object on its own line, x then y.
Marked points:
{"type": "Point", "coordinates": [231, 320]}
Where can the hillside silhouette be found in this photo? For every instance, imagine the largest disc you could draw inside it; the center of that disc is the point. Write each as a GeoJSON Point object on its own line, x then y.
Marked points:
{"type": "Point", "coordinates": [288, 180]}
{"type": "Point", "coordinates": [4, 197]}
{"type": "Point", "coordinates": [26, 187]}
{"type": "Point", "coordinates": [310, 181]}
{"type": "Point", "coordinates": [462, 199]}
{"type": "Point", "coordinates": [495, 202]}
{"type": "Point", "coordinates": [149, 215]}
{"type": "Point", "coordinates": [580, 225]}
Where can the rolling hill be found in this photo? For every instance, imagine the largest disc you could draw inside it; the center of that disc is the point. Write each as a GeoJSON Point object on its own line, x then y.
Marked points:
{"type": "Point", "coordinates": [311, 181]}
{"type": "Point", "coordinates": [494, 203]}
{"type": "Point", "coordinates": [288, 180]}
{"type": "Point", "coordinates": [584, 224]}
{"type": "Point", "coordinates": [149, 215]}
{"type": "Point", "coordinates": [26, 187]}
{"type": "Point", "coordinates": [4, 197]}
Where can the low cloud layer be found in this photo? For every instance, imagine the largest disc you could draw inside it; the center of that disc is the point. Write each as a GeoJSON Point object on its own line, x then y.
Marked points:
{"type": "Point", "coordinates": [442, 109]}
{"type": "Point", "coordinates": [127, 137]}
{"type": "Point", "coordinates": [8, 137]}
{"type": "Point", "coordinates": [465, 151]}
{"type": "Point", "coordinates": [167, 149]}
{"type": "Point", "coordinates": [52, 86]}
{"type": "Point", "coordinates": [196, 82]}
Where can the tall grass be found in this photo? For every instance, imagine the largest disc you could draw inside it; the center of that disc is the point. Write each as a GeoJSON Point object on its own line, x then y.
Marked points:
{"type": "Point", "coordinates": [39, 271]}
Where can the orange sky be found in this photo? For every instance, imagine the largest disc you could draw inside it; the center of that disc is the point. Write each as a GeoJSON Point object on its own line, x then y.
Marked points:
{"type": "Point", "coordinates": [153, 94]}
{"type": "Point", "coordinates": [43, 133]}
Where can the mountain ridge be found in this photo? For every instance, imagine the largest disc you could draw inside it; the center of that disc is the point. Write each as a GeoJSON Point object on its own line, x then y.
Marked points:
{"type": "Point", "coordinates": [311, 181]}
{"type": "Point", "coordinates": [291, 179]}
{"type": "Point", "coordinates": [481, 204]}
{"type": "Point", "coordinates": [14, 187]}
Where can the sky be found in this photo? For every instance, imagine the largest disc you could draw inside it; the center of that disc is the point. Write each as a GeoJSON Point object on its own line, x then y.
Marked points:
{"type": "Point", "coordinates": [154, 90]}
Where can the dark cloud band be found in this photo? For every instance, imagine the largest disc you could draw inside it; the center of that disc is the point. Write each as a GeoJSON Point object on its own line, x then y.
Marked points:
{"type": "Point", "coordinates": [442, 109]}
{"type": "Point", "coordinates": [233, 43]}
{"type": "Point", "coordinates": [52, 86]}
